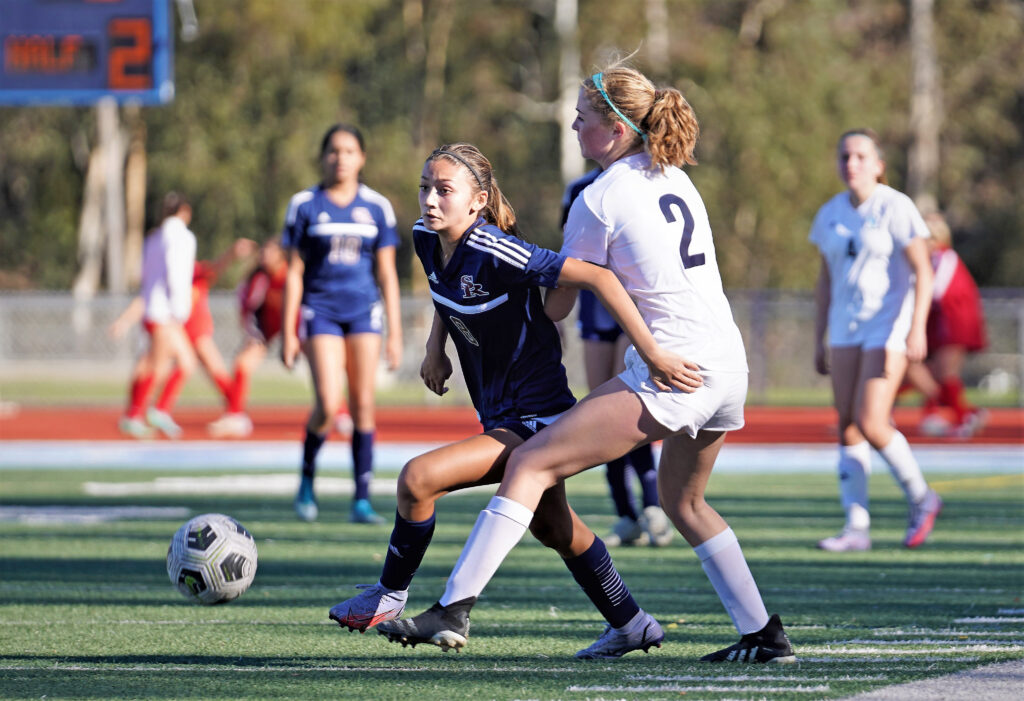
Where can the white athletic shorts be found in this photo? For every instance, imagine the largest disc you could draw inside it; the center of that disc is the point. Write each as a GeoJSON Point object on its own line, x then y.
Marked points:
{"type": "Point", "coordinates": [880, 331]}
{"type": "Point", "coordinates": [717, 406]}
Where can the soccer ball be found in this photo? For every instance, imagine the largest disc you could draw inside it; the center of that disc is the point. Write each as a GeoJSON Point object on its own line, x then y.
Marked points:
{"type": "Point", "coordinates": [212, 559]}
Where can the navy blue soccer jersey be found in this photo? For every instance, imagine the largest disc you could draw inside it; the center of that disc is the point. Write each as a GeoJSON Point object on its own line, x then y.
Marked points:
{"type": "Point", "coordinates": [489, 299]}
{"type": "Point", "coordinates": [338, 245]}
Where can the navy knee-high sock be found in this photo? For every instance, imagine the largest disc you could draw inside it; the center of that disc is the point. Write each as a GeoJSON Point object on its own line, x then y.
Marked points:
{"type": "Point", "coordinates": [362, 462]}
{"type": "Point", "coordinates": [595, 572]}
{"type": "Point", "coordinates": [642, 461]}
{"type": "Point", "coordinates": [409, 541]}
{"type": "Point", "coordinates": [310, 449]}
{"type": "Point", "coordinates": [618, 483]}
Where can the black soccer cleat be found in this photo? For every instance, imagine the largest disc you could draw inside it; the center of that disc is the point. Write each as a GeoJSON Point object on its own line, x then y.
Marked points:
{"type": "Point", "coordinates": [444, 626]}
{"type": "Point", "coordinates": [770, 645]}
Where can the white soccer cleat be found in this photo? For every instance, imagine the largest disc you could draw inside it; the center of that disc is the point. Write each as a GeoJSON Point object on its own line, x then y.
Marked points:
{"type": "Point", "coordinates": [375, 604]}
{"type": "Point", "coordinates": [849, 539]}
{"type": "Point", "coordinates": [934, 425]}
{"type": "Point", "coordinates": [237, 425]}
{"type": "Point", "coordinates": [614, 644]}
{"type": "Point", "coordinates": [136, 428]}
{"type": "Point", "coordinates": [162, 421]}
{"type": "Point", "coordinates": [626, 531]}
{"type": "Point", "coordinates": [655, 523]}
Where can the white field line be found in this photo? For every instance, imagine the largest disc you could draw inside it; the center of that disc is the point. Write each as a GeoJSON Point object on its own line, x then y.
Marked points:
{"type": "Point", "coordinates": [882, 660]}
{"type": "Point", "coordinates": [898, 651]}
{"type": "Point", "coordinates": [234, 484]}
{"type": "Point", "coordinates": [711, 688]}
{"type": "Point", "coordinates": [291, 669]}
{"type": "Point", "coordinates": [231, 484]}
{"type": "Point", "coordinates": [44, 515]}
{"type": "Point", "coordinates": [990, 619]}
{"type": "Point", "coordinates": [954, 634]}
{"type": "Point", "coordinates": [926, 641]}
{"type": "Point", "coordinates": [750, 678]}
{"type": "Point", "coordinates": [248, 455]}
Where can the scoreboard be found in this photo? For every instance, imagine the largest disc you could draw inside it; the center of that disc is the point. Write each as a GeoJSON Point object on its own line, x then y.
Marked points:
{"type": "Point", "coordinates": [75, 52]}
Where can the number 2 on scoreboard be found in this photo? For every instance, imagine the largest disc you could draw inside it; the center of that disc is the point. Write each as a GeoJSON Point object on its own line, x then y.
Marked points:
{"type": "Point", "coordinates": [131, 54]}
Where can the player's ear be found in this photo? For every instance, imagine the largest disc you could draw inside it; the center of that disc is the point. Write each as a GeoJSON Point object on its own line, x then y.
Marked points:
{"type": "Point", "coordinates": [479, 202]}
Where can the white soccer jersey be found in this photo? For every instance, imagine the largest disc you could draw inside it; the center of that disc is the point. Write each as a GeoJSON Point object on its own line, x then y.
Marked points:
{"type": "Point", "coordinates": [872, 283]}
{"type": "Point", "coordinates": [651, 229]}
{"type": "Point", "coordinates": [168, 261]}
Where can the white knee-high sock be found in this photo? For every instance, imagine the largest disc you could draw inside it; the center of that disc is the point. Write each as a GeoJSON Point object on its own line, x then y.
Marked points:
{"type": "Point", "coordinates": [904, 467]}
{"type": "Point", "coordinates": [854, 470]}
{"type": "Point", "coordinates": [497, 530]}
{"type": "Point", "coordinates": [724, 564]}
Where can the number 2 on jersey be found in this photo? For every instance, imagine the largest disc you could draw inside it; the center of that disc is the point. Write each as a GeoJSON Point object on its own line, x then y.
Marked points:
{"type": "Point", "coordinates": [666, 202]}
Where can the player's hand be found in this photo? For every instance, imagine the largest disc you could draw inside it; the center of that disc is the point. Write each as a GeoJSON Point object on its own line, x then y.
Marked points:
{"type": "Point", "coordinates": [393, 352]}
{"type": "Point", "coordinates": [435, 371]}
{"type": "Point", "coordinates": [289, 350]}
{"type": "Point", "coordinates": [820, 359]}
{"type": "Point", "coordinates": [917, 345]}
{"type": "Point", "coordinates": [670, 371]}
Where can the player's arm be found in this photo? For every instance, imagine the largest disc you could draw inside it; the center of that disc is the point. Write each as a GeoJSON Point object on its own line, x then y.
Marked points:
{"type": "Point", "coordinates": [822, 301]}
{"type": "Point", "coordinates": [920, 262]}
{"type": "Point", "coordinates": [129, 317]}
{"type": "Point", "coordinates": [559, 301]}
{"type": "Point", "coordinates": [436, 367]}
{"type": "Point", "coordinates": [292, 299]}
{"type": "Point", "coordinates": [667, 369]}
{"type": "Point", "coordinates": [241, 248]}
{"type": "Point", "coordinates": [387, 280]}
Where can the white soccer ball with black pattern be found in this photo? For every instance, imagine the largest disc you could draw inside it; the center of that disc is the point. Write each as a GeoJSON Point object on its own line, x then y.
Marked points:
{"type": "Point", "coordinates": [212, 559]}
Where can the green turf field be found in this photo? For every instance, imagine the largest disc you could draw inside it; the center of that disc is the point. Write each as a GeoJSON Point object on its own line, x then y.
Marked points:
{"type": "Point", "coordinates": [86, 611]}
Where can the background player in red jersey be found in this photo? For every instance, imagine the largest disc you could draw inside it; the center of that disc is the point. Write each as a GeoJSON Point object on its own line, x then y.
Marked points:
{"type": "Point", "coordinates": [199, 330]}
{"type": "Point", "coordinates": [956, 328]}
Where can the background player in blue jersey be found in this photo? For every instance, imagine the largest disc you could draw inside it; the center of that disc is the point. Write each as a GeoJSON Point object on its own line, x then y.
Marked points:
{"type": "Point", "coordinates": [341, 239]}
{"type": "Point", "coordinates": [485, 285]}
{"type": "Point", "coordinates": [604, 346]}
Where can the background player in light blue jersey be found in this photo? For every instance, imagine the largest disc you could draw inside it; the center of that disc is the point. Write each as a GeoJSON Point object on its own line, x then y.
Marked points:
{"type": "Point", "coordinates": [485, 284]}
{"type": "Point", "coordinates": [604, 347]}
{"type": "Point", "coordinates": [341, 238]}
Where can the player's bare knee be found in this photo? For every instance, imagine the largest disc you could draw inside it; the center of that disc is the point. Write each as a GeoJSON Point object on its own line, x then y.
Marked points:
{"type": "Point", "coordinates": [692, 512]}
{"type": "Point", "coordinates": [415, 485]}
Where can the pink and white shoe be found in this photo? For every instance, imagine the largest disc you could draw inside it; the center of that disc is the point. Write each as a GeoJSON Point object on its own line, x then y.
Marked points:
{"type": "Point", "coordinates": [922, 519]}
{"type": "Point", "coordinates": [849, 539]}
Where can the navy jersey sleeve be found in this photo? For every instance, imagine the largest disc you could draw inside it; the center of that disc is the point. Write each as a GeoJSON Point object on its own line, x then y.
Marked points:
{"type": "Point", "coordinates": [515, 261]}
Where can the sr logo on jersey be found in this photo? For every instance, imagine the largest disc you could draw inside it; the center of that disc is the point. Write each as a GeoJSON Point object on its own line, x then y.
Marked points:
{"type": "Point", "coordinates": [471, 289]}
{"type": "Point", "coordinates": [457, 323]}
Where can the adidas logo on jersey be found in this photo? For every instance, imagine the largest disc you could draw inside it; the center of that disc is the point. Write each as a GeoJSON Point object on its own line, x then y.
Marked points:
{"type": "Point", "coordinates": [432, 277]}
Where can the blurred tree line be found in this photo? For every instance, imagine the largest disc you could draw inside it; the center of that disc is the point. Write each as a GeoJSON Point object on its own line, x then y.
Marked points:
{"type": "Point", "coordinates": [774, 83]}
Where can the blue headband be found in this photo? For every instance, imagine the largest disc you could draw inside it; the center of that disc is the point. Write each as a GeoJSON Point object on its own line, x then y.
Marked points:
{"type": "Point", "coordinates": [596, 78]}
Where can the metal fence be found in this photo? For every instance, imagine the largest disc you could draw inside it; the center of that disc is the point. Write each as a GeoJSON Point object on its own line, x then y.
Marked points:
{"type": "Point", "coordinates": [54, 335]}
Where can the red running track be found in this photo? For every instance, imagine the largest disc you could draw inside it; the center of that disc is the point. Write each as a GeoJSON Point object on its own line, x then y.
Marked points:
{"type": "Point", "coordinates": [442, 425]}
